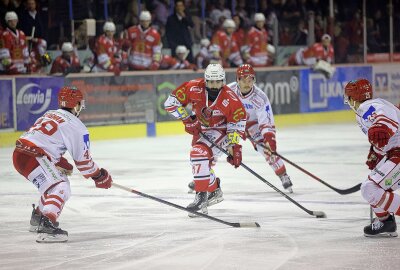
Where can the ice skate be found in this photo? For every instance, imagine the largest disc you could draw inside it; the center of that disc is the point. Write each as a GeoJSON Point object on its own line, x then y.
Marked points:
{"type": "Point", "coordinates": [48, 233]}
{"type": "Point", "coordinates": [386, 228]}
{"type": "Point", "coordinates": [191, 187]}
{"type": "Point", "coordinates": [35, 219]}
{"type": "Point", "coordinates": [216, 196]}
{"type": "Point", "coordinates": [199, 204]}
{"type": "Point", "coordinates": [286, 183]}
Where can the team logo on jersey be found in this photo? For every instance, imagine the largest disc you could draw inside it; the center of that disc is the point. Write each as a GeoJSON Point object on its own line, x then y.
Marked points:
{"type": "Point", "coordinates": [225, 102]}
{"type": "Point", "coordinates": [370, 114]}
{"type": "Point", "coordinates": [248, 106]}
{"type": "Point", "coordinates": [86, 141]}
{"type": "Point", "coordinates": [195, 89]}
{"type": "Point", "coordinates": [39, 180]}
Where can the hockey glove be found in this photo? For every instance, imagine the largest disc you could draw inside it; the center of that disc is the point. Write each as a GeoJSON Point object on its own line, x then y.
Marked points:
{"type": "Point", "coordinates": [373, 158]}
{"type": "Point", "coordinates": [235, 157]}
{"type": "Point", "coordinates": [379, 135]}
{"type": "Point", "coordinates": [270, 143]}
{"type": "Point", "coordinates": [192, 125]}
{"type": "Point", "coordinates": [64, 166]}
{"type": "Point", "coordinates": [103, 180]}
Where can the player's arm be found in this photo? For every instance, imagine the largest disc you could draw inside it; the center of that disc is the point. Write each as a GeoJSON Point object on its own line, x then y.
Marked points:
{"type": "Point", "coordinates": [266, 125]}
{"type": "Point", "coordinates": [175, 105]}
{"type": "Point", "coordinates": [384, 126]}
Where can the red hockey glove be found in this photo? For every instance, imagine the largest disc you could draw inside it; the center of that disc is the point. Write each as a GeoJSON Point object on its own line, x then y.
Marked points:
{"type": "Point", "coordinates": [64, 166]}
{"type": "Point", "coordinates": [192, 125]}
{"type": "Point", "coordinates": [379, 135]}
{"type": "Point", "coordinates": [235, 159]}
{"type": "Point", "coordinates": [270, 143]}
{"type": "Point", "coordinates": [103, 180]}
{"type": "Point", "coordinates": [373, 158]}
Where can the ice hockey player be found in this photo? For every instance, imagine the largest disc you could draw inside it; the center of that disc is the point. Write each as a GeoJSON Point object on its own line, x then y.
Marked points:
{"type": "Point", "coordinates": [260, 125]}
{"type": "Point", "coordinates": [38, 156]}
{"type": "Point", "coordinates": [379, 120]}
{"type": "Point", "coordinates": [219, 114]}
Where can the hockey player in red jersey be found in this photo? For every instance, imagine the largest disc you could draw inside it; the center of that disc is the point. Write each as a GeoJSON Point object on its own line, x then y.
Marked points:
{"type": "Point", "coordinates": [260, 124]}
{"type": "Point", "coordinates": [38, 156]}
{"type": "Point", "coordinates": [67, 62]}
{"type": "Point", "coordinates": [379, 121]}
{"type": "Point", "coordinates": [219, 114]}
{"type": "Point", "coordinates": [14, 54]}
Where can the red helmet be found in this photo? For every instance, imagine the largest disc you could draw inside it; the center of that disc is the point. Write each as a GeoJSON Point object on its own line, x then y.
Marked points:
{"type": "Point", "coordinates": [69, 97]}
{"type": "Point", "coordinates": [358, 90]}
{"type": "Point", "coordinates": [245, 70]}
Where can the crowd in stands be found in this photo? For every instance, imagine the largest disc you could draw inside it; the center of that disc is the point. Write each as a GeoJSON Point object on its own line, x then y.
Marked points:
{"type": "Point", "coordinates": [227, 32]}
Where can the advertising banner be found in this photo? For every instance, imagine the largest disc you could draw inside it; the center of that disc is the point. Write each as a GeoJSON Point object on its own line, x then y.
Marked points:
{"type": "Point", "coordinates": [319, 94]}
{"type": "Point", "coordinates": [34, 97]}
{"type": "Point", "coordinates": [387, 83]}
{"type": "Point", "coordinates": [6, 105]}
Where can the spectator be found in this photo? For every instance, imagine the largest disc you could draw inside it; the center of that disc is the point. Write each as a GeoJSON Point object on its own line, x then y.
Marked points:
{"type": "Point", "coordinates": [239, 34]}
{"type": "Point", "coordinates": [31, 18]}
{"type": "Point", "coordinates": [355, 33]}
{"type": "Point", "coordinates": [301, 35]}
{"type": "Point", "coordinates": [161, 11]}
{"type": "Point", "coordinates": [341, 45]}
{"type": "Point", "coordinates": [203, 56]}
{"type": "Point", "coordinates": [145, 44]}
{"type": "Point", "coordinates": [132, 15]}
{"type": "Point", "coordinates": [227, 46]}
{"type": "Point", "coordinates": [177, 30]}
{"type": "Point", "coordinates": [14, 54]}
{"type": "Point", "coordinates": [219, 11]}
{"type": "Point", "coordinates": [67, 62]}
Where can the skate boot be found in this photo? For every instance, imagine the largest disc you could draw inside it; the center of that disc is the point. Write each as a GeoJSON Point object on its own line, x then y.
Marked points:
{"type": "Point", "coordinates": [199, 204]}
{"type": "Point", "coordinates": [215, 196]}
{"type": "Point", "coordinates": [191, 187]}
{"type": "Point", "coordinates": [48, 233]}
{"type": "Point", "coordinates": [35, 219]}
{"type": "Point", "coordinates": [386, 228]}
{"type": "Point", "coordinates": [286, 183]}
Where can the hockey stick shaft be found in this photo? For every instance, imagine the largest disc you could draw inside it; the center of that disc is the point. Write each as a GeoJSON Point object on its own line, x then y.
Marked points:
{"type": "Point", "coordinates": [232, 224]}
{"type": "Point", "coordinates": [318, 214]}
{"type": "Point", "coordinates": [340, 191]}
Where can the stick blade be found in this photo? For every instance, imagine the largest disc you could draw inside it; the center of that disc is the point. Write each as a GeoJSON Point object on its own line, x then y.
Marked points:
{"type": "Point", "coordinates": [319, 214]}
{"type": "Point", "coordinates": [247, 225]}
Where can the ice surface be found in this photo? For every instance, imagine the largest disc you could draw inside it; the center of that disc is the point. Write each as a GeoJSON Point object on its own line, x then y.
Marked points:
{"type": "Point", "coordinates": [115, 229]}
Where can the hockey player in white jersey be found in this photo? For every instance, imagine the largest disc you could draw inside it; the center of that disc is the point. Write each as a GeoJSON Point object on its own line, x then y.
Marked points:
{"type": "Point", "coordinates": [38, 156]}
{"type": "Point", "coordinates": [379, 120]}
{"type": "Point", "coordinates": [260, 125]}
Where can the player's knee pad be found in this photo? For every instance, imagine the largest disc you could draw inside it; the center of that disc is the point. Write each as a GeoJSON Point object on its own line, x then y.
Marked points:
{"type": "Point", "coordinates": [200, 159]}
{"type": "Point", "coordinates": [371, 192]}
{"type": "Point", "coordinates": [53, 200]}
{"type": "Point", "coordinates": [200, 152]}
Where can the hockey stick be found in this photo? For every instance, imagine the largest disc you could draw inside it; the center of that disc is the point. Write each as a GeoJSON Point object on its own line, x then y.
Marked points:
{"type": "Point", "coordinates": [340, 191]}
{"type": "Point", "coordinates": [232, 224]}
{"type": "Point", "coordinates": [318, 214]}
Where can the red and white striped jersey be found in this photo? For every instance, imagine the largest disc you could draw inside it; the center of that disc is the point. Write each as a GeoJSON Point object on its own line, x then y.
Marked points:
{"type": "Point", "coordinates": [59, 131]}
{"type": "Point", "coordinates": [258, 109]}
{"type": "Point", "coordinates": [383, 112]}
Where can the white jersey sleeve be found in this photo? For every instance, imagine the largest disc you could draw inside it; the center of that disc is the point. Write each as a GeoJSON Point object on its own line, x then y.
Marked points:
{"type": "Point", "coordinates": [383, 112]}
{"type": "Point", "coordinates": [260, 117]}
{"type": "Point", "coordinates": [59, 131]}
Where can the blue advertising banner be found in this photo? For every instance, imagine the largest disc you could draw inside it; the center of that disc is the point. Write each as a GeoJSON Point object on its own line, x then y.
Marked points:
{"type": "Point", "coordinates": [6, 105]}
{"type": "Point", "coordinates": [34, 97]}
{"type": "Point", "coordinates": [319, 94]}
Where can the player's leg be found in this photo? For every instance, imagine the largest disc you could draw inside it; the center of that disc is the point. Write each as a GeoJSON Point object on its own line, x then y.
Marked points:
{"type": "Point", "coordinates": [377, 190]}
{"type": "Point", "coordinates": [53, 187]}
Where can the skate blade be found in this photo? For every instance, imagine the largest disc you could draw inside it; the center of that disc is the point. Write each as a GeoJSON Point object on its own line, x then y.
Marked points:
{"type": "Point", "coordinates": [204, 211]}
{"type": "Point", "coordinates": [212, 202]}
{"type": "Point", "coordinates": [48, 238]}
{"type": "Point", "coordinates": [382, 235]}
{"type": "Point", "coordinates": [289, 190]}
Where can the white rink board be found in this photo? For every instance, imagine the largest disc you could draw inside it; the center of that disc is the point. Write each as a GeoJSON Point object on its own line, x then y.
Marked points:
{"type": "Point", "coordinates": [114, 229]}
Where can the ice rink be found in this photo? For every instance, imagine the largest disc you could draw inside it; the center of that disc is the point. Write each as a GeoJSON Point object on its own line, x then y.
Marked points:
{"type": "Point", "coordinates": [115, 229]}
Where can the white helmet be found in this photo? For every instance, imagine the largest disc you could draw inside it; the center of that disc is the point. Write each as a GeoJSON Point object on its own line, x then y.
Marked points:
{"type": "Point", "coordinates": [109, 26]}
{"type": "Point", "coordinates": [204, 42]}
{"type": "Point", "coordinates": [11, 15]}
{"type": "Point", "coordinates": [214, 72]}
{"type": "Point", "coordinates": [327, 37]}
{"type": "Point", "coordinates": [181, 49]}
{"type": "Point", "coordinates": [67, 47]}
{"type": "Point", "coordinates": [259, 17]}
{"type": "Point", "coordinates": [229, 23]}
{"type": "Point", "coordinates": [271, 49]}
{"type": "Point", "coordinates": [145, 16]}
